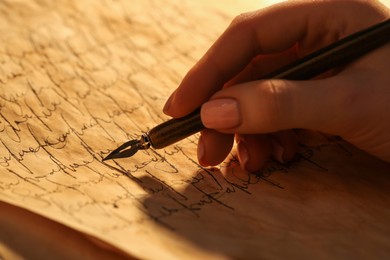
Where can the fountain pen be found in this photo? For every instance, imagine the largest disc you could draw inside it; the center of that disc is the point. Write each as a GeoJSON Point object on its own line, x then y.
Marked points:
{"type": "Point", "coordinates": [336, 54]}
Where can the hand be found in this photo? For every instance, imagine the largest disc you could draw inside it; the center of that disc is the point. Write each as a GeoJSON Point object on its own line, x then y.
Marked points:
{"type": "Point", "coordinates": [352, 102]}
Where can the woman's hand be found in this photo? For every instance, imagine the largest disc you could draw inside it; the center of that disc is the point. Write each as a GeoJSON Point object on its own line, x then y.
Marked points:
{"type": "Point", "coordinates": [352, 102]}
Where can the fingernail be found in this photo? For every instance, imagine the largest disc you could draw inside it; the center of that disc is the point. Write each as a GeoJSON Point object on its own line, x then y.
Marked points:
{"type": "Point", "coordinates": [242, 154]}
{"type": "Point", "coordinates": [277, 151]}
{"type": "Point", "coordinates": [220, 113]}
{"type": "Point", "coordinates": [168, 104]}
{"type": "Point", "coordinates": [201, 150]}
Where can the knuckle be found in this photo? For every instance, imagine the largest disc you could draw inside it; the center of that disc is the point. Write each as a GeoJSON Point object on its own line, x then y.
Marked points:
{"type": "Point", "coordinates": [241, 20]}
{"type": "Point", "coordinates": [276, 103]}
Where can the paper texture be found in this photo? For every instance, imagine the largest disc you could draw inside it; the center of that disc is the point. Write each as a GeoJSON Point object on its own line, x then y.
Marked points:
{"type": "Point", "coordinates": [78, 78]}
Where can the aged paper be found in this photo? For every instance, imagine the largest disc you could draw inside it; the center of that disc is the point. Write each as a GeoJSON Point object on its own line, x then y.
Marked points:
{"type": "Point", "coordinates": [78, 78]}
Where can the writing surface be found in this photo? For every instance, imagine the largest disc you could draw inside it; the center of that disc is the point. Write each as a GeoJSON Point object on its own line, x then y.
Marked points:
{"type": "Point", "coordinates": [78, 78]}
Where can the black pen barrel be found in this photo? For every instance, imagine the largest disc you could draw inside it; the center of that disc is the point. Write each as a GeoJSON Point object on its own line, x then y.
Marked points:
{"type": "Point", "coordinates": [175, 130]}
{"type": "Point", "coordinates": [336, 54]}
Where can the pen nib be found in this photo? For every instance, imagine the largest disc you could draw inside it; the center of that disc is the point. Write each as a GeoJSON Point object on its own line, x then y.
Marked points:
{"type": "Point", "coordinates": [122, 152]}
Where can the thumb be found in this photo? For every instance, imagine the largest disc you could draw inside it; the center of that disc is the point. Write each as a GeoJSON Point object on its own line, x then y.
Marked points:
{"type": "Point", "coordinates": [272, 105]}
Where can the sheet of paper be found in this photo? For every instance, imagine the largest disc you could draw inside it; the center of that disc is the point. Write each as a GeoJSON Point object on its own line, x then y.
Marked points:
{"type": "Point", "coordinates": [78, 78]}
